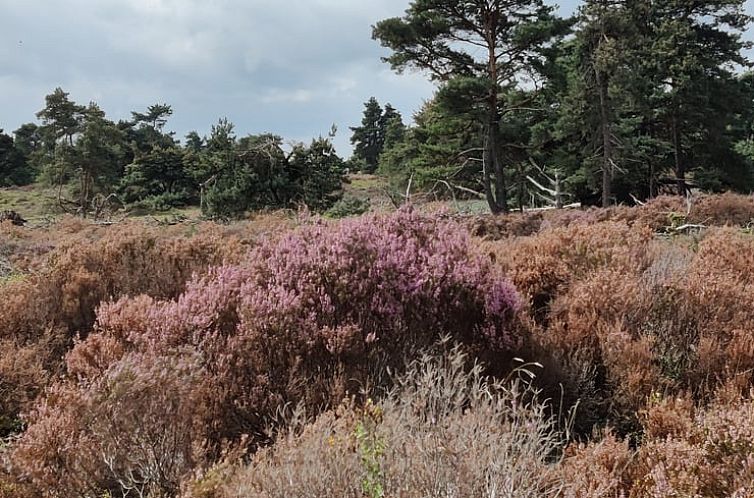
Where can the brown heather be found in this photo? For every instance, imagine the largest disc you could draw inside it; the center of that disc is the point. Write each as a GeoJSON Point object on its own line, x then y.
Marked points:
{"type": "Point", "coordinates": [61, 274]}
{"type": "Point", "coordinates": [662, 212]}
{"type": "Point", "coordinates": [645, 340]}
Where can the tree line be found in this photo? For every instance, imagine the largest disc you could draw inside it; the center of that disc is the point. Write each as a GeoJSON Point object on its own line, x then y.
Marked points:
{"type": "Point", "coordinates": [623, 101]}
{"type": "Point", "coordinates": [94, 162]}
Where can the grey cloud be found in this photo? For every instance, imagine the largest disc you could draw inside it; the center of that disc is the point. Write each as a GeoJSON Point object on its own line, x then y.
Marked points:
{"type": "Point", "coordinates": [291, 67]}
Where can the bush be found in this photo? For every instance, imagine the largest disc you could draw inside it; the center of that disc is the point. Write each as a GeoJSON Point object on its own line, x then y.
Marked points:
{"type": "Point", "coordinates": [619, 316]}
{"type": "Point", "coordinates": [444, 431]}
{"type": "Point", "coordinates": [347, 207]}
{"type": "Point", "coordinates": [133, 430]}
{"type": "Point", "coordinates": [704, 453]}
{"type": "Point", "coordinates": [53, 297]}
{"type": "Point", "coordinates": [647, 338]}
{"type": "Point", "coordinates": [258, 174]}
{"type": "Point", "coordinates": [307, 318]}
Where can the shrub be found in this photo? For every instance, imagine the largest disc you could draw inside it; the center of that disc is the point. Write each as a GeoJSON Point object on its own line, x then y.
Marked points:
{"type": "Point", "coordinates": [543, 266]}
{"type": "Point", "coordinates": [307, 318]}
{"type": "Point", "coordinates": [685, 452]}
{"type": "Point", "coordinates": [710, 454]}
{"type": "Point", "coordinates": [52, 303]}
{"type": "Point", "coordinates": [658, 214]}
{"type": "Point", "coordinates": [445, 430]}
{"type": "Point", "coordinates": [619, 315]}
{"type": "Point", "coordinates": [347, 207]}
{"type": "Point", "coordinates": [133, 430]}
{"type": "Point", "coordinates": [599, 469]}
{"type": "Point", "coordinates": [649, 337]}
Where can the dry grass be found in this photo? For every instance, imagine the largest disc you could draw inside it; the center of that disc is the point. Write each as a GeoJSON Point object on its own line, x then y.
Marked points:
{"type": "Point", "coordinates": [445, 431]}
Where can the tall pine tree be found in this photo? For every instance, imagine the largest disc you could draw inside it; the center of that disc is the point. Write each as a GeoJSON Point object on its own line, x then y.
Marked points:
{"type": "Point", "coordinates": [479, 48]}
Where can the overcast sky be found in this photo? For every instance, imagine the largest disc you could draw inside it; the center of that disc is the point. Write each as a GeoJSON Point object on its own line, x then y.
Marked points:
{"type": "Point", "coordinates": [291, 67]}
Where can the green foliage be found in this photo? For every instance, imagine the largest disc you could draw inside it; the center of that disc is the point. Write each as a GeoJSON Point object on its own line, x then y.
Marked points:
{"type": "Point", "coordinates": [97, 157]}
{"type": "Point", "coordinates": [379, 129]}
{"type": "Point", "coordinates": [84, 155]}
{"type": "Point", "coordinates": [643, 99]}
{"type": "Point", "coordinates": [156, 116]}
{"type": "Point", "coordinates": [371, 451]}
{"type": "Point", "coordinates": [14, 169]}
{"type": "Point", "coordinates": [159, 180]}
{"type": "Point", "coordinates": [146, 132]}
{"type": "Point", "coordinates": [317, 175]}
{"type": "Point", "coordinates": [348, 207]}
{"type": "Point", "coordinates": [477, 50]}
{"type": "Point", "coordinates": [442, 147]}
{"type": "Point", "coordinates": [255, 173]}
{"type": "Point", "coordinates": [61, 116]}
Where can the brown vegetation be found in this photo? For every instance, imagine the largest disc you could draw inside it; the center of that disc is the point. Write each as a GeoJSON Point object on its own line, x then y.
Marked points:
{"type": "Point", "coordinates": [641, 339]}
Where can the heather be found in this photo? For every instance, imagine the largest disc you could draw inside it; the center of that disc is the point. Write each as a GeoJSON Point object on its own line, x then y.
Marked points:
{"type": "Point", "coordinates": [58, 276]}
{"type": "Point", "coordinates": [600, 354]}
{"type": "Point", "coordinates": [304, 319]}
{"type": "Point", "coordinates": [444, 430]}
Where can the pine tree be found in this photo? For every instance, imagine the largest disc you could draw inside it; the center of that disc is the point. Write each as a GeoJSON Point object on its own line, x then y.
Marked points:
{"type": "Point", "coordinates": [695, 47]}
{"type": "Point", "coordinates": [368, 139]}
{"type": "Point", "coordinates": [477, 49]}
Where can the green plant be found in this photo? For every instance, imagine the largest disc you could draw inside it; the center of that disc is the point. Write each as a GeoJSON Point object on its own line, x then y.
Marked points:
{"type": "Point", "coordinates": [371, 449]}
{"type": "Point", "coordinates": [675, 221]}
{"type": "Point", "coordinates": [347, 207]}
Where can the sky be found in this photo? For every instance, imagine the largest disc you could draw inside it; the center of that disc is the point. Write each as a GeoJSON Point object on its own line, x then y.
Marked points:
{"type": "Point", "coordinates": [289, 67]}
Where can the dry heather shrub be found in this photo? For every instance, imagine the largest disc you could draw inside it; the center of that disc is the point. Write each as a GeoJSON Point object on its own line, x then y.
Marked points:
{"type": "Point", "coordinates": [128, 261]}
{"type": "Point", "coordinates": [599, 469]}
{"type": "Point", "coordinates": [587, 298]}
{"type": "Point", "coordinates": [719, 299]}
{"type": "Point", "coordinates": [501, 227]}
{"type": "Point", "coordinates": [664, 316]}
{"type": "Point", "coordinates": [82, 265]}
{"type": "Point", "coordinates": [726, 252]}
{"type": "Point", "coordinates": [22, 372]}
{"type": "Point", "coordinates": [668, 417]}
{"type": "Point", "coordinates": [43, 311]}
{"type": "Point", "coordinates": [307, 318]}
{"type": "Point", "coordinates": [445, 430]}
{"type": "Point", "coordinates": [629, 328]}
{"type": "Point", "coordinates": [9, 485]}
{"type": "Point", "coordinates": [543, 266]}
{"type": "Point", "coordinates": [728, 209]}
{"type": "Point", "coordinates": [711, 210]}
{"type": "Point", "coordinates": [685, 452]}
{"type": "Point", "coordinates": [705, 454]}
{"type": "Point", "coordinates": [655, 214]}
{"type": "Point", "coordinates": [135, 430]}
{"type": "Point", "coordinates": [623, 325]}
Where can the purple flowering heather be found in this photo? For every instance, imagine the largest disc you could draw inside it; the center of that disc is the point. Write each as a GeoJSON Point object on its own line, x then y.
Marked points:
{"type": "Point", "coordinates": [381, 280]}
{"type": "Point", "coordinates": [314, 315]}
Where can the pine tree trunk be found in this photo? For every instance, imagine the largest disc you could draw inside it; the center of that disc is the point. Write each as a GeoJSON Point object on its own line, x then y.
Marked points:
{"type": "Point", "coordinates": [501, 187]}
{"type": "Point", "coordinates": [607, 142]}
{"type": "Point", "coordinates": [680, 168]}
{"type": "Point", "coordinates": [521, 187]}
{"type": "Point", "coordinates": [498, 201]}
{"type": "Point", "coordinates": [490, 169]}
